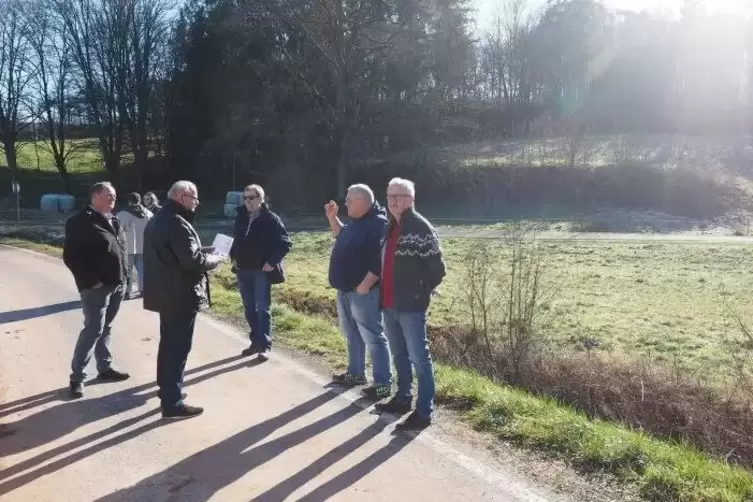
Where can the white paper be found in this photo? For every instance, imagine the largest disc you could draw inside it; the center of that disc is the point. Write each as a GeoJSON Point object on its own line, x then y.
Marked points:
{"type": "Point", "coordinates": [222, 244]}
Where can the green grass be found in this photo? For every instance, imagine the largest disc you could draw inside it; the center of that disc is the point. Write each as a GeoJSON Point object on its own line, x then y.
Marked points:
{"type": "Point", "coordinates": [664, 471]}
{"type": "Point", "coordinates": [86, 157]}
{"type": "Point", "coordinates": [666, 301]}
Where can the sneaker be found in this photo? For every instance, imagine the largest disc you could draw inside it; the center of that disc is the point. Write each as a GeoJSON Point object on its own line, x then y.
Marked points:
{"type": "Point", "coordinates": [264, 354]}
{"type": "Point", "coordinates": [349, 379]}
{"type": "Point", "coordinates": [182, 412]}
{"type": "Point", "coordinates": [250, 351]}
{"type": "Point", "coordinates": [414, 422]}
{"type": "Point", "coordinates": [395, 405]}
{"type": "Point", "coordinates": [76, 390]}
{"type": "Point", "coordinates": [377, 392]}
{"type": "Point", "coordinates": [112, 375]}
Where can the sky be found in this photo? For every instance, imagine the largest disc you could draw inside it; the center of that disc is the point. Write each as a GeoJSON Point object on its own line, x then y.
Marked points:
{"type": "Point", "coordinates": [486, 8]}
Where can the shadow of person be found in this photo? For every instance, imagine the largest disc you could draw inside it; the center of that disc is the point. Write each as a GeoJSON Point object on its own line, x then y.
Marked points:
{"type": "Point", "coordinates": [352, 475]}
{"type": "Point", "coordinates": [34, 312]}
{"type": "Point", "coordinates": [200, 476]}
{"type": "Point", "coordinates": [286, 488]}
{"type": "Point", "coordinates": [57, 421]}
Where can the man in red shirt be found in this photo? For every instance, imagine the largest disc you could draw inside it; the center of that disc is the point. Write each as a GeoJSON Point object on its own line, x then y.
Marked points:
{"type": "Point", "coordinates": [412, 267]}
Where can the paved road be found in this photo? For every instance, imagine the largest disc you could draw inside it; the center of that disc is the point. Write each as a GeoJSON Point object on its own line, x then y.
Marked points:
{"type": "Point", "coordinates": [270, 432]}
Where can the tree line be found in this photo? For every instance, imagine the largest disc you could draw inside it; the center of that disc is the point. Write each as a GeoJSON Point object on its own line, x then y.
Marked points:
{"type": "Point", "coordinates": [307, 92]}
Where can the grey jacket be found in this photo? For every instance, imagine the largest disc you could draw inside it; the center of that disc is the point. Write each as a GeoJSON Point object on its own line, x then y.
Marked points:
{"type": "Point", "coordinates": [419, 265]}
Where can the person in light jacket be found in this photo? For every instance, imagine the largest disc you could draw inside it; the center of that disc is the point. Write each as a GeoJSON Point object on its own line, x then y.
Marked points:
{"type": "Point", "coordinates": [134, 220]}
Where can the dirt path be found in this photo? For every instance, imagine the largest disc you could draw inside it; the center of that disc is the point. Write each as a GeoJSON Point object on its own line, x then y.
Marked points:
{"type": "Point", "coordinates": [270, 432]}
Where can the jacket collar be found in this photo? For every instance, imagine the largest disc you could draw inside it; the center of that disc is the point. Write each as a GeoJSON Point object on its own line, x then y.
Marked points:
{"type": "Point", "coordinates": [173, 207]}
{"type": "Point", "coordinates": [243, 210]}
{"type": "Point", "coordinates": [407, 215]}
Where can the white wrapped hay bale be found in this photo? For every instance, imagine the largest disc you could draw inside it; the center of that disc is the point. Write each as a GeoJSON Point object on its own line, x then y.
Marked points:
{"type": "Point", "coordinates": [57, 203]}
{"type": "Point", "coordinates": [234, 198]}
{"type": "Point", "coordinates": [230, 210]}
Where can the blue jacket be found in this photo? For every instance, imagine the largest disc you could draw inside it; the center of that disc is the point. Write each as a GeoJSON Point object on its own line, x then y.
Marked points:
{"type": "Point", "coordinates": [357, 250]}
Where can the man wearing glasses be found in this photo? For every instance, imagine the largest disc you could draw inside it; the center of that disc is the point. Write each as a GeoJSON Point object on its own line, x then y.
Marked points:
{"type": "Point", "coordinates": [354, 272]}
{"type": "Point", "coordinates": [412, 268]}
{"type": "Point", "coordinates": [177, 287]}
{"type": "Point", "coordinates": [260, 242]}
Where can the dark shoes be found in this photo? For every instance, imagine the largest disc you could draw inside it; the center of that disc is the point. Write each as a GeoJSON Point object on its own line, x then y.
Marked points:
{"type": "Point", "coordinates": [112, 375]}
{"type": "Point", "coordinates": [395, 406]}
{"type": "Point", "coordinates": [262, 354]}
{"type": "Point", "coordinates": [182, 412]}
{"type": "Point", "coordinates": [377, 392]}
{"type": "Point", "coordinates": [76, 390]}
{"type": "Point", "coordinates": [414, 422]}
{"type": "Point", "coordinates": [349, 379]}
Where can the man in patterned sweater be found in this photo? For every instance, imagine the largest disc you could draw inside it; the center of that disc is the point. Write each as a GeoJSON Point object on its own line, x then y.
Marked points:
{"type": "Point", "coordinates": [412, 268]}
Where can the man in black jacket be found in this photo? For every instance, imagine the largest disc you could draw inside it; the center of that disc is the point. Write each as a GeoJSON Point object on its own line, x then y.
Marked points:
{"type": "Point", "coordinates": [177, 287]}
{"type": "Point", "coordinates": [260, 243]}
{"type": "Point", "coordinates": [94, 252]}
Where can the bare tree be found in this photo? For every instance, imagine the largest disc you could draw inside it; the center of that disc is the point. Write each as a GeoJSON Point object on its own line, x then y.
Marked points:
{"type": "Point", "coordinates": [98, 34]}
{"type": "Point", "coordinates": [16, 72]}
{"type": "Point", "coordinates": [148, 34]}
{"type": "Point", "coordinates": [53, 84]}
{"type": "Point", "coordinates": [343, 43]}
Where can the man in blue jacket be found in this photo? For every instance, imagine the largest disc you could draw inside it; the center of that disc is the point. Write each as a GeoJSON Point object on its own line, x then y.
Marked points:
{"type": "Point", "coordinates": [354, 270]}
{"type": "Point", "coordinates": [260, 242]}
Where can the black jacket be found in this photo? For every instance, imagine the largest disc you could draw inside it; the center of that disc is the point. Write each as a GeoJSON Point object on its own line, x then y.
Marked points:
{"type": "Point", "coordinates": [419, 265]}
{"type": "Point", "coordinates": [267, 240]}
{"type": "Point", "coordinates": [94, 250]}
{"type": "Point", "coordinates": [175, 266]}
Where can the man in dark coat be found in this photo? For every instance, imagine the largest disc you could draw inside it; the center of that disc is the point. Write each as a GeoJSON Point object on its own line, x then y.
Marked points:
{"type": "Point", "coordinates": [412, 268]}
{"type": "Point", "coordinates": [94, 252]}
{"type": "Point", "coordinates": [176, 286]}
{"type": "Point", "coordinates": [260, 242]}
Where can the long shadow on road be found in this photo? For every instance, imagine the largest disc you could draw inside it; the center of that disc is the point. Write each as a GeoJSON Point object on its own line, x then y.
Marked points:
{"type": "Point", "coordinates": [198, 477]}
{"type": "Point", "coordinates": [286, 488]}
{"type": "Point", "coordinates": [31, 313]}
{"type": "Point", "coordinates": [52, 423]}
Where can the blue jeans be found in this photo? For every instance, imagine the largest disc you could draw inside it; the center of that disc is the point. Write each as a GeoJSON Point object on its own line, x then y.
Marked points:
{"type": "Point", "coordinates": [409, 344]}
{"type": "Point", "coordinates": [361, 323]}
{"type": "Point", "coordinates": [175, 340]}
{"type": "Point", "coordinates": [136, 260]}
{"type": "Point", "coordinates": [100, 307]}
{"type": "Point", "coordinates": [256, 293]}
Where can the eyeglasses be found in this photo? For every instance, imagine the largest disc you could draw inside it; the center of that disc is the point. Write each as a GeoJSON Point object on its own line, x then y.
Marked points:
{"type": "Point", "coordinates": [397, 196]}
{"type": "Point", "coordinates": [251, 197]}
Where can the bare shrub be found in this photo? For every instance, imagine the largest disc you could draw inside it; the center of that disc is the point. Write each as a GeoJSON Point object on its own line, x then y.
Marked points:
{"type": "Point", "coordinates": [507, 295]}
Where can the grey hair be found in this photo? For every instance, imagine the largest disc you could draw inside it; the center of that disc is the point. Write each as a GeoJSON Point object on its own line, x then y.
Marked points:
{"type": "Point", "coordinates": [181, 187]}
{"type": "Point", "coordinates": [364, 190]}
{"type": "Point", "coordinates": [99, 187]}
{"type": "Point", "coordinates": [408, 185]}
{"type": "Point", "coordinates": [256, 188]}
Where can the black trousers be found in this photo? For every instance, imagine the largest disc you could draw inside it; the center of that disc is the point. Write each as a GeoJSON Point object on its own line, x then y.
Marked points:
{"type": "Point", "coordinates": [176, 336]}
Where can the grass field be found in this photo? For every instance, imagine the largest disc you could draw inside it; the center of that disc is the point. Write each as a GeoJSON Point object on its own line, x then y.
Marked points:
{"type": "Point", "coordinates": [86, 156]}
{"type": "Point", "coordinates": [670, 302]}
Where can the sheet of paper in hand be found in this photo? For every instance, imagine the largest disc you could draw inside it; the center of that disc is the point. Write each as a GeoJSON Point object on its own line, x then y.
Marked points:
{"type": "Point", "coordinates": [222, 244]}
